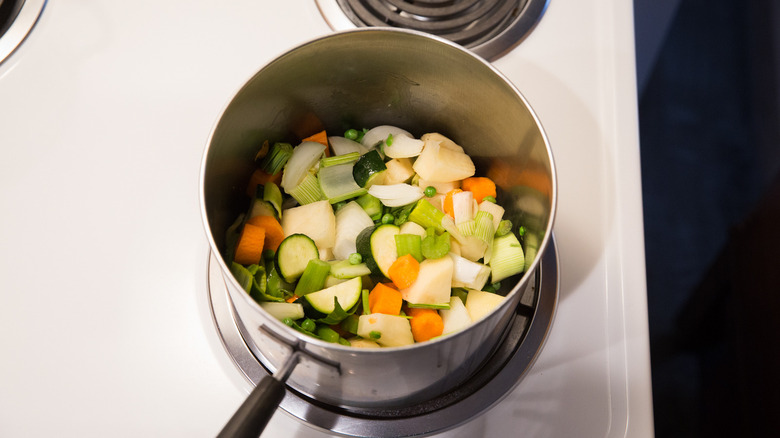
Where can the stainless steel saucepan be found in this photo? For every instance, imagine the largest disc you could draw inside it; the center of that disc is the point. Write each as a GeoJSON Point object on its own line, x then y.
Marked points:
{"type": "Point", "coordinates": [365, 78]}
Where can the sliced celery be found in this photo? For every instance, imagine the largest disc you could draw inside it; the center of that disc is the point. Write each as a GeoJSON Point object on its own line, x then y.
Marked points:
{"type": "Point", "coordinates": [444, 306]}
{"type": "Point", "coordinates": [276, 159]}
{"type": "Point", "coordinates": [467, 228]}
{"type": "Point", "coordinates": [308, 190]}
{"type": "Point", "coordinates": [504, 227]}
{"type": "Point", "coordinates": [435, 246]}
{"type": "Point", "coordinates": [485, 231]}
{"type": "Point", "coordinates": [313, 277]}
{"type": "Point", "coordinates": [409, 244]}
{"type": "Point", "coordinates": [425, 214]}
{"type": "Point", "coordinates": [347, 158]}
{"type": "Point", "coordinates": [507, 257]}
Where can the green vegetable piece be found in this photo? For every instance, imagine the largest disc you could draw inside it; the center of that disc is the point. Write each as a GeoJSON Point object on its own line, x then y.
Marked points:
{"type": "Point", "coordinates": [504, 227]}
{"type": "Point", "coordinates": [327, 334]}
{"type": "Point", "coordinates": [364, 302]}
{"type": "Point", "coordinates": [273, 195]}
{"type": "Point", "coordinates": [442, 306]}
{"type": "Point", "coordinates": [430, 191]}
{"type": "Point", "coordinates": [355, 258]}
{"type": "Point", "coordinates": [340, 159]}
{"type": "Point", "coordinates": [313, 277]}
{"type": "Point", "coordinates": [435, 246]}
{"type": "Point", "coordinates": [409, 244]}
{"type": "Point", "coordinates": [309, 325]}
{"type": "Point", "coordinates": [389, 140]}
{"type": "Point", "coordinates": [275, 160]}
{"type": "Point", "coordinates": [367, 168]}
{"type": "Point", "coordinates": [374, 335]}
{"type": "Point", "coordinates": [461, 293]}
{"type": "Point", "coordinates": [351, 134]}
{"type": "Point", "coordinates": [337, 315]}
{"type": "Point", "coordinates": [387, 218]}
{"type": "Point", "coordinates": [489, 199]}
{"type": "Point", "coordinates": [426, 215]}
{"type": "Point", "coordinates": [371, 205]}
{"type": "Point", "coordinates": [350, 324]}
{"type": "Point", "coordinates": [344, 342]}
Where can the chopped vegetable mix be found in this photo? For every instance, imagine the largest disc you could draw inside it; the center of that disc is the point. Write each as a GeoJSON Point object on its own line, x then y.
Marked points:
{"type": "Point", "coordinates": [381, 240]}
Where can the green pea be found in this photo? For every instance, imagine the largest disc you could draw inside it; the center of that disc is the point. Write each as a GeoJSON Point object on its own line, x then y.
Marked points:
{"type": "Point", "coordinates": [288, 321]}
{"type": "Point", "coordinates": [388, 218]}
{"type": "Point", "coordinates": [375, 335]}
{"type": "Point", "coordinates": [489, 199]}
{"type": "Point", "coordinates": [351, 134]}
{"type": "Point", "coordinates": [430, 191]}
{"type": "Point", "coordinates": [355, 258]}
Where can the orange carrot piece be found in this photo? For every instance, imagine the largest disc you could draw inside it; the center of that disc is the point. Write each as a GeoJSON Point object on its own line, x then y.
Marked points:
{"type": "Point", "coordinates": [426, 324]}
{"type": "Point", "coordinates": [480, 187]}
{"type": "Point", "coordinates": [385, 299]}
{"type": "Point", "coordinates": [250, 245]}
{"type": "Point", "coordinates": [292, 298]}
{"type": "Point", "coordinates": [447, 204]}
{"type": "Point", "coordinates": [320, 137]}
{"type": "Point", "coordinates": [403, 272]}
{"type": "Point", "coordinates": [259, 177]}
{"type": "Point", "coordinates": [274, 234]}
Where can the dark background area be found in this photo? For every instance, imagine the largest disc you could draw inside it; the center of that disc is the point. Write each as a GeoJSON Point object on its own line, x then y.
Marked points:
{"type": "Point", "coordinates": [710, 150]}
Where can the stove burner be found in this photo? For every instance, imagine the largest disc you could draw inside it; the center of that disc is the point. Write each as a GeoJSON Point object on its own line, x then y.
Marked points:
{"type": "Point", "coordinates": [522, 343]}
{"type": "Point", "coordinates": [490, 28]}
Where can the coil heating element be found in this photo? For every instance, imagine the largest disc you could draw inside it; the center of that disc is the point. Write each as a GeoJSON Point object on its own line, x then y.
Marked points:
{"type": "Point", "coordinates": [488, 27]}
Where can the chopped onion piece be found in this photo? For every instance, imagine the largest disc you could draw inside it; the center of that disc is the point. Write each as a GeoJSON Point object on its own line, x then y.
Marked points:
{"type": "Point", "coordinates": [396, 195]}
{"type": "Point", "coordinates": [343, 145]}
{"type": "Point", "coordinates": [403, 146]}
{"type": "Point", "coordinates": [377, 135]}
{"type": "Point", "coordinates": [304, 157]}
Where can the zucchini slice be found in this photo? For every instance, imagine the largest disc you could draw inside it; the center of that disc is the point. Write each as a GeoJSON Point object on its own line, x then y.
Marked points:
{"type": "Point", "coordinates": [293, 256]}
{"type": "Point", "coordinates": [369, 169]}
{"type": "Point", "coordinates": [377, 247]}
{"type": "Point", "coordinates": [347, 293]}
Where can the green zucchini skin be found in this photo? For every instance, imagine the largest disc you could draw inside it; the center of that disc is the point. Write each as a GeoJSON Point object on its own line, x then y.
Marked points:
{"type": "Point", "coordinates": [377, 247]}
{"type": "Point", "coordinates": [368, 167]}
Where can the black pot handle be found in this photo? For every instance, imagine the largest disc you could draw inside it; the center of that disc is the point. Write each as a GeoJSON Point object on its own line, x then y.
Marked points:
{"type": "Point", "coordinates": [251, 418]}
{"type": "Point", "coordinates": [253, 415]}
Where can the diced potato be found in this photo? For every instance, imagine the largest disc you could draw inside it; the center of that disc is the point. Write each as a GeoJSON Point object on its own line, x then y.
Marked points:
{"type": "Point", "coordinates": [388, 330]}
{"type": "Point", "coordinates": [480, 303]}
{"type": "Point", "coordinates": [315, 220]}
{"type": "Point", "coordinates": [443, 141]}
{"type": "Point", "coordinates": [441, 187]}
{"type": "Point", "coordinates": [399, 170]}
{"type": "Point", "coordinates": [456, 317]}
{"type": "Point", "coordinates": [443, 164]}
{"type": "Point", "coordinates": [433, 283]}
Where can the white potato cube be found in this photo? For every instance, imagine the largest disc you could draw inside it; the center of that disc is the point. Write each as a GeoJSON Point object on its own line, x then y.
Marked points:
{"type": "Point", "coordinates": [315, 220]}
{"type": "Point", "coordinates": [433, 283]}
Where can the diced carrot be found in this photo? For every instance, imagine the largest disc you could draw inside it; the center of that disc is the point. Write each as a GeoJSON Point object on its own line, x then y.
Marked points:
{"type": "Point", "coordinates": [480, 187]}
{"type": "Point", "coordinates": [292, 298]}
{"type": "Point", "coordinates": [274, 234]}
{"type": "Point", "coordinates": [426, 324]}
{"type": "Point", "coordinates": [403, 272]}
{"type": "Point", "coordinates": [385, 299]}
{"type": "Point", "coordinates": [261, 177]}
{"type": "Point", "coordinates": [447, 204]}
{"type": "Point", "coordinates": [320, 137]}
{"type": "Point", "coordinates": [250, 245]}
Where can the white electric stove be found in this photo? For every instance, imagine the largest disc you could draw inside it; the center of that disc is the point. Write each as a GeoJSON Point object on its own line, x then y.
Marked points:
{"type": "Point", "coordinates": [106, 326]}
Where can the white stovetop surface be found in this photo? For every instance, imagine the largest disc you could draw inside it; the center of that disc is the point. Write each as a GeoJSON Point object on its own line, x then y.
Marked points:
{"type": "Point", "coordinates": [104, 321]}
